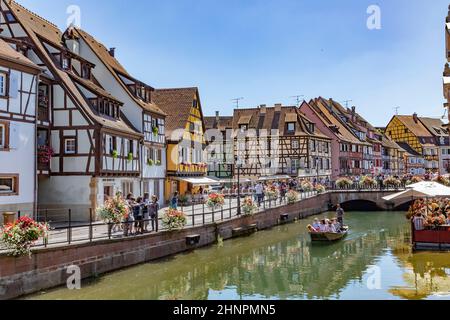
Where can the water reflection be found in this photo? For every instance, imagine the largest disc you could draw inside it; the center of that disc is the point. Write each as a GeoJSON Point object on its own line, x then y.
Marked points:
{"type": "Point", "coordinates": [282, 264]}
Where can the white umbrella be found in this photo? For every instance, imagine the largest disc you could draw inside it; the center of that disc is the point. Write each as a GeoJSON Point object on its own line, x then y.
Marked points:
{"type": "Point", "coordinates": [431, 188]}
{"type": "Point", "coordinates": [409, 193]}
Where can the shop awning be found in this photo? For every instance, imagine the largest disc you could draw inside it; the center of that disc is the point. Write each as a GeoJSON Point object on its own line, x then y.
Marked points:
{"type": "Point", "coordinates": [235, 180]}
{"type": "Point", "coordinates": [274, 178]}
{"type": "Point", "coordinates": [200, 181]}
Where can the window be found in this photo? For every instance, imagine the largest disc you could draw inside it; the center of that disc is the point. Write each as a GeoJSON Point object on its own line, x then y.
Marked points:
{"type": "Point", "coordinates": [291, 127]}
{"type": "Point", "coordinates": [295, 144]}
{"type": "Point", "coordinates": [65, 62]}
{"type": "Point", "coordinates": [194, 104]}
{"type": "Point", "coordinates": [243, 127]}
{"type": "Point", "coordinates": [3, 84]}
{"type": "Point", "coordinates": [70, 145]}
{"type": "Point", "coordinates": [4, 135]}
{"type": "Point", "coordinates": [127, 187]}
{"type": "Point", "coordinates": [86, 71]}
{"type": "Point", "coordinates": [112, 145]}
{"type": "Point", "coordinates": [130, 146]}
{"type": "Point", "coordinates": [9, 17]}
{"type": "Point", "coordinates": [9, 184]}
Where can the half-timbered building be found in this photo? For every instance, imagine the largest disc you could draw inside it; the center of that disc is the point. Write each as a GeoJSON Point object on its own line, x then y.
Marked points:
{"type": "Point", "coordinates": [138, 108]}
{"type": "Point", "coordinates": [19, 78]}
{"type": "Point", "coordinates": [92, 145]}
{"type": "Point", "coordinates": [346, 146]}
{"type": "Point", "coordinates": [220, 150]}
{"type": "Point", "coordinates": [186, 166]}
{"type": "Point", "coordinates": [279, 140]}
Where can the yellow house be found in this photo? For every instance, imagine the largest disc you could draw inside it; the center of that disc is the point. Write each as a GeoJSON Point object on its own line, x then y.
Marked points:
{"type": "Point", "coordinates": [185, 139]}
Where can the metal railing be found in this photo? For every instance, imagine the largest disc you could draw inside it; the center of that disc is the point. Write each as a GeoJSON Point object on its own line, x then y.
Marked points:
{"type": "Point", "coordinates": [66, 230]}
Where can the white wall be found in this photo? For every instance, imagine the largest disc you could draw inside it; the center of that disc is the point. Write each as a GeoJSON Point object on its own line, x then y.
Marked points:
{"type": "Point", "coordinates": [20, 160]}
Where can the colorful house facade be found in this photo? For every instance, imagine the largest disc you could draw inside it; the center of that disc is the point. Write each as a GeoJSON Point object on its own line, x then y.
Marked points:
{"type": "Point", "coordinates": [186, 165]}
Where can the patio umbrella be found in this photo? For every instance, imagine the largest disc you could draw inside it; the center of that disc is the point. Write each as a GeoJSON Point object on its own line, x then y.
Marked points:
{"type": "Point", "coordinates": [425, 189]}
{"type": "Point", "coordinates": [409, 193]}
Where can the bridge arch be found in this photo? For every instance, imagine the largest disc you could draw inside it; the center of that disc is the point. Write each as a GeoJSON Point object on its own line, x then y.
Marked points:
{"type": "Point", "coordinates": [360, 205]}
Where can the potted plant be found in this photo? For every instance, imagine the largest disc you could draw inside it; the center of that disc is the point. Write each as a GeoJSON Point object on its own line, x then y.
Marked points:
{"type": "Point", "coordinates": [130, 157]}
{"type": "Point", "coordinates": [114, 211]}
{"type": "Point", "coordinates": [271, 193]}
{"type": "Point", "coordinates": [367, 182]}
{"type": "Point", "coordinates": [45, 154]}
{"type": "Point", "coordinates": [150, 162]}
{"type": "Point", "coordinates": [115, 154]}
{"type": "Point", "coordinates": [215, 201]}
{"type": "Point", "coordinates": [320, 189]}
{"type": "Point", "coordinates": [306, 186]}
{"type": "Point", "coordinates": [20, 235]}
{"type": "Point", "coordinates": [292, 197]}
{"type": "Point", "coordinates": [155, 131]}
{"type": "Point", "coordinates": [392, 182]}
{"type": "Point", "coordinates": [158, 162]}
{"type": "Point", "coordinates": [248, 207]}
{"type": "Point", "coordinates": [174, 219]}
{"type": "Point", "coordinates": [344, 183]}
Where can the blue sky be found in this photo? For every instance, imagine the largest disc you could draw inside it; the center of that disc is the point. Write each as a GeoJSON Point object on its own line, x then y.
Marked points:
{"type": "Point", "coordinates": [269, 50]}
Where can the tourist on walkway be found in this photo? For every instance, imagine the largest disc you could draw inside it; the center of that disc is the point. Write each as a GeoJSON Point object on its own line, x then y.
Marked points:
{"type": "Point", "coordinates": [283, 191]}
{"type": "Point", "coordinates": [138, 216]}
{"type": "Point", "coordinates": [153, 211]}
{"type": "Point", "coordinates": [340, 215]}
{"type": "Point", "coordinates": [174, 201]}
{"type": "Point", "coordinates": [259, 191]}
{"type": "Point", "coordinates": [145, 211]}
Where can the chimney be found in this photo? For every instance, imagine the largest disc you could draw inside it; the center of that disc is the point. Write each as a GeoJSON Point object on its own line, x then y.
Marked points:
{"type": "Point", "coordinates": [278, 107]}
{"type": "Point", "coordinates": [112, 52]}
{"type": "Point", "coordinates": [415, 117]}
{"type": "Point", "coordinates": [217, 116]}
{"type": "Point", "coordinates": [353, 113]}
{"type": "Point", "coordinates": [263, 109]}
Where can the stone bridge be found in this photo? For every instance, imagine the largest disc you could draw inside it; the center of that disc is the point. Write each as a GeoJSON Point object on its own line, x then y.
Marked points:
{"type": "Point", "coordinates": [368, 200]}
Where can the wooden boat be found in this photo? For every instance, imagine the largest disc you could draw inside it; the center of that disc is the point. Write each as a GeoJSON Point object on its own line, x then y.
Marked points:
{"type": "Point", "coordinates": [328, 236]}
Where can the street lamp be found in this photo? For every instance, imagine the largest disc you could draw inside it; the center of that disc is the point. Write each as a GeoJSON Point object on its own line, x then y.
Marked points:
{"type": "Point", "coordinates": [238, 165]}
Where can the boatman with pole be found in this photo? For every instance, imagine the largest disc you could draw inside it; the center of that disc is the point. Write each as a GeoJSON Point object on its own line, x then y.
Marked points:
{"type": "Point", "coordinates": [340, 215]}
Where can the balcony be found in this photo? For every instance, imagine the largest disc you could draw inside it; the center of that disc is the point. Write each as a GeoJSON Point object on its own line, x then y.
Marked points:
{"type": "Point", "coordinates": [44, 156]}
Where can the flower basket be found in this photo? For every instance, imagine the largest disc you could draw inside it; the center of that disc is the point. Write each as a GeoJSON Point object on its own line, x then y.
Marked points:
{"type": "Point", "coordinates": [174, 219]}
{"type": "Point", "coordinates": [292, 197]}
{"type": "Point", "coordinates": [442, 180]}
{"type": "Point", "coordinates": [215, 201]}
{"type": "Point", "coordinates": [20, 235]}
{"type": "Point", "coordinates": [306, 186]}
{"type": "Point", "coordinates": [344, 183]}
{"type": "Point", "coordinates": [320, 189]}
{"type": "Point", "coordinates": [155, 131]}
{"type": "Point", "coordinates": [150, 162]}
{"type": "Point", "coordinates": [157, 162]}
{"type": "Point", "coordinates": [115, 154]}
{"type": "Point", "coordinates": [130, 157]}
{"type": "Point", "coordinates": [248, 207]}
{"type": "Point", "coordinates": [367, 182]}
{"type": "Point", "coordinates": [272, 193]}
{"type": "Point", "coordinates": [416, 179]}
{"type": "Point", "coordinates": [45, 154]}
{"type": "Point", "coordinates": [114, 211]}
{"type": "Point", "coordinates": [392, 182]}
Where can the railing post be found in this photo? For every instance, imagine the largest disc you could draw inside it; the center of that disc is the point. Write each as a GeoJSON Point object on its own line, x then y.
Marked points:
{"type": "Point", "coordinates": [69, 230]}
{"type": "Point", "coordinates": [18, 214]}
{"type": "Point", "coordinates": [90, 225]}
{"type": "Point", "coordinates": [193, 214]}
{"type": "Point", "coordinates": [230, 205]}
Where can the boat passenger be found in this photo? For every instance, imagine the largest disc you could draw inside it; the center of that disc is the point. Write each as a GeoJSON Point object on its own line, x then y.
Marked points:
{"type": "Point", "coordinates": [336, 225]}
{"type": "Point", "coordinates": [316, 224]}
{"type": "Point", "coordinates": [419, 222]}
{"type": "Point", "coordinates": [324, 226]}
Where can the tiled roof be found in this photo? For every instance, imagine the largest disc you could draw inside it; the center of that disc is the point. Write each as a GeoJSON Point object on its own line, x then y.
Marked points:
{"type": "Point", "coordinates": [94, 88]}
{"type": "Point", "coordinates": [223, 123]}
{"type": "Point", "coordinates": [388, 143]}
{"type": "Point", "coordinates": [435, 126]}
{"type": "Point", "coordinates": [8, 53]}
{"type": "Point", "coordinates": [408, 149]}
{"type": "Point", "coordinates": [272, 118]}
{"type": "Point", "coordinates": [417, 128]}
{"type": "Point", "coordinates": [177, 104]}
{"type": "Point", "coordinates": [324, 109]}
{"type": "Point", "coordinates": [38, 27]}
{"type": "Point", "coordinates": [113, 64]}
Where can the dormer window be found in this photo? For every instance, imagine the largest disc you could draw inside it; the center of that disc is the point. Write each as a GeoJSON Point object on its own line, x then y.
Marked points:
{"type": "Point", "coordinates": [86, 71]}
{"type": "Point", "coordinates": [65, 62]}
{"type": "Point", "coordinates": [243, 127]}
{"type": "Point", "coordinates": [194, 104]}
{"type": "Point", "coordinates": [10, 17]}
{"type": "Point", "coordinates": [291, 127]}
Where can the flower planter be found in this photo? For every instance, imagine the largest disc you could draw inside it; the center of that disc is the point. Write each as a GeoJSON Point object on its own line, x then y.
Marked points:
{"type": "Point", "coordinates": [9, 217]}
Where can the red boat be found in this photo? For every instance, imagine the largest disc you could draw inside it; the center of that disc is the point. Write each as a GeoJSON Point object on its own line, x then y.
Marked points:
{"type": "Point", "coordinates": [431, 239]}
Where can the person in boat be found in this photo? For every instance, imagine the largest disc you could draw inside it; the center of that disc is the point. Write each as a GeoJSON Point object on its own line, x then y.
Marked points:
{"type": "Point", "coordinates": [419, 222]}
{"type": "Point", "coordinates": [324, 226]}
{"type": "Point", "coordinates": [335, 225]}
{"type": "Point", "coordinates": [340, 214]}
{"type": "Point", "coordinates": [316, 224]}
{"type": "Point", "coordinates": [311, 229]}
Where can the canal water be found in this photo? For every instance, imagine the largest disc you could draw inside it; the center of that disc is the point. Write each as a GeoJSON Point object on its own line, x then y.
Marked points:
{"type": "Point", "coordinates": [374, 262]}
